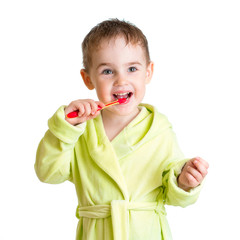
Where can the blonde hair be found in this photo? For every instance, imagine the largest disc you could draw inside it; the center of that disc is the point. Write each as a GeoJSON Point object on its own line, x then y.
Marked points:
{"type": "Point", "coordinates": [107, 30]}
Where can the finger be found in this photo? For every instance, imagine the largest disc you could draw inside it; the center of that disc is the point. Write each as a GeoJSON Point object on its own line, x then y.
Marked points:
{"type": "Point", "coordinates": [196, 174]}
{"type": "Point", "coordinates": [200, 167]}
{"type": "Point", "coordinates": [94, 107]}
{"type": "Point", "coordinates": [81, 110]}
{"type": "Point", "coordinates": [190, 180]}
{"type": "Point", "coordinates": [70, 108]}
{"type": "Point", "coordinates": [100, 104]}
{"type": "Point", "coordinates": [93, 115]}
{"type": "Point", "coordinates": [87, 108]}
{"type": "Point", "coordinates": [189, 163]}
{"type": "Point", "coordinates": [74, 107]}
{"type": "Point", "coordinates": [205, 163]}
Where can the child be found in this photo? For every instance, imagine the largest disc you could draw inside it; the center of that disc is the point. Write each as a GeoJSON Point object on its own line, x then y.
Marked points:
{"type": "Point", "coordinates": [124, 160]}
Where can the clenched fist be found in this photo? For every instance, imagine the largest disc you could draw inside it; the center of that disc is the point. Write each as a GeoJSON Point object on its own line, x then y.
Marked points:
{"type": "Point", "coordinates": [192, 173]}
{"type": "Point", "coordinates": [87, 109]}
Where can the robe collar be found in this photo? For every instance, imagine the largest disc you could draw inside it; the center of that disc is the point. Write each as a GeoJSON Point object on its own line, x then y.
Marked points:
{"type": "Point", "coordinates": [144, 127]}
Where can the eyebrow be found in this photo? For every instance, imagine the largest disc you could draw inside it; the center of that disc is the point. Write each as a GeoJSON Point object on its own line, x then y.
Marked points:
{"type": "Point", "coordinates": [133, 63]}
{"type": "Point", "coordinates": [127, 64]}
{"type": "Point", "coordinates": [103, 64]}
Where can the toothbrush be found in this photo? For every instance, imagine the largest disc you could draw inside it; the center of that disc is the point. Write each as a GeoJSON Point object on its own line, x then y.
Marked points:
{"type": "Point", "coordinates": [119, 101]}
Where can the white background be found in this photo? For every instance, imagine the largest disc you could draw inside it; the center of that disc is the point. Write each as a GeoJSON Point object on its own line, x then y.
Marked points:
{"type": "Point", "coordinates": [196, 49]}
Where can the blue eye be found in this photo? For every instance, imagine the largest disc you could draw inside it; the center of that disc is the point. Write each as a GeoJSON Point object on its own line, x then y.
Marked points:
{"type": "Point", "coordinates": [107, 71]}
{"type": "Point", "coordinates": [132, 69]}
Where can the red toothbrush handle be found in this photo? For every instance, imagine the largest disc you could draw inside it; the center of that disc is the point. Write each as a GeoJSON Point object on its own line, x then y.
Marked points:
{"type": "Point", "coordinates": [74, 114]}
{"type": "Point", "coordinates": [119, 101]}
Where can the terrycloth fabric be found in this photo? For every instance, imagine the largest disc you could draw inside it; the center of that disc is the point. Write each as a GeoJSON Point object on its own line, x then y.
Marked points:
{"type": "Point", "coordinates": [121, 185]}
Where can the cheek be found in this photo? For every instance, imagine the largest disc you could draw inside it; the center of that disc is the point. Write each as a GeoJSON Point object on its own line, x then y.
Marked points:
{"type": "Point", "coordinates": [141, 87]}
{"type": "Point", "coordinates": [103, 91]}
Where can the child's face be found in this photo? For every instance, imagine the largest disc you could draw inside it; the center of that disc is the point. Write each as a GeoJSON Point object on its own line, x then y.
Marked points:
{"type": "Point", "coordinates": [119, 70]}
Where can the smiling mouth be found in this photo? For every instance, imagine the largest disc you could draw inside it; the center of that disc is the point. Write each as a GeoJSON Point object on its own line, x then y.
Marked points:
{"type": "Point", "coordinates": [125, 95]}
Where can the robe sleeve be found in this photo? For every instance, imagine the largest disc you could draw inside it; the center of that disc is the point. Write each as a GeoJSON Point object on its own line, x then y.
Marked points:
{"type": "Point", "coordinates": [55, 151]}
{"type": "Point", "coordinates": [172, 194]}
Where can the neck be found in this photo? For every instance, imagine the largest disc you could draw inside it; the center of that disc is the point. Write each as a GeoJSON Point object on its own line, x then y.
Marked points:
{"type": "Point", "coordinates": [114, 124]}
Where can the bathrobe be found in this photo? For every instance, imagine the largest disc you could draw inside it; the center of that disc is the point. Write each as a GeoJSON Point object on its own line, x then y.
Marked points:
{"type": "Point", "coordinates": [122, 185]}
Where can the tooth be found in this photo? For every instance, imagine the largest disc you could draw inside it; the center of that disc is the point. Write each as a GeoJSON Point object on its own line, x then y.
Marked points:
{"type": "Point", "coordinates": [121, 93]}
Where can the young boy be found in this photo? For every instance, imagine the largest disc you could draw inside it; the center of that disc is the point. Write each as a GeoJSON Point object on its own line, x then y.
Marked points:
{"type": "Point", "coordinates": [124, 160]}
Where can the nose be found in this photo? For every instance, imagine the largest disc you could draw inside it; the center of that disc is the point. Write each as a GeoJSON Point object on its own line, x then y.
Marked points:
{"type": "Point", "coordinates": [120, 80]}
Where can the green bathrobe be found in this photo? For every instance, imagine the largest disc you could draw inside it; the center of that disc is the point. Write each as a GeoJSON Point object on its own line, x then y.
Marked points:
{"type": "Point", "coordinates": [121, 185]}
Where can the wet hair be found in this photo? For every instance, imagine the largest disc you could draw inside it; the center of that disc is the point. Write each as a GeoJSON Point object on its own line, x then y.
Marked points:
{"type": "Point", "coordinates": [108, 30]}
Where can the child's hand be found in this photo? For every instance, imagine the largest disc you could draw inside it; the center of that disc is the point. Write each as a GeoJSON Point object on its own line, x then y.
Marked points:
{"type": "Point", "coordinates": [87, 110]}
{"type": "Point", "coordinates": [192, 173]}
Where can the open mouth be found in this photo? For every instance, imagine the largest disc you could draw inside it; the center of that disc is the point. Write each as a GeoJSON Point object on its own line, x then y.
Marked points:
{"type": "Point", "coordinates": [126, 95]}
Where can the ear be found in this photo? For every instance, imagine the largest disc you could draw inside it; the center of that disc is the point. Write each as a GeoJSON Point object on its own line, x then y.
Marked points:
{"type": "Point", "coordinates": [86, 79]}
{"type": "Point", "coordinates": [149, 73]}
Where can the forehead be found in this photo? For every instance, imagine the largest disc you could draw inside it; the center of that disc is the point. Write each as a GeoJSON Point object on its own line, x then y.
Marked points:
{"type": "Point", "coordinates": [118, 50]}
